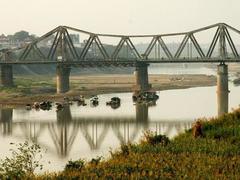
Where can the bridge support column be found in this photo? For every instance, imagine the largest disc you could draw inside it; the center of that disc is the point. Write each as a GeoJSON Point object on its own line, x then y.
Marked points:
{"type": "Point", "coordinates": [63, 73]}
{"type": "Point", "coordinates": [7, 75]}
{"type": "Point", "coordinates": [222, 89]}
{"type": "Point", "coordinates": [141, 75]}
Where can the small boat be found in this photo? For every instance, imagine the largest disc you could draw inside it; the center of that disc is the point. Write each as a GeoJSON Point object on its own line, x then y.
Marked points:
{"type": "Point", "coordinates": [94, 101]}
{"type": "Point", "coordinates": [59, 106]}
{"type": "Point", "coordinates": [36, 105]}
{"type": "Point", "coordinates": [115, 102]}
{"type": "Point", "coordinates": [28, 107]}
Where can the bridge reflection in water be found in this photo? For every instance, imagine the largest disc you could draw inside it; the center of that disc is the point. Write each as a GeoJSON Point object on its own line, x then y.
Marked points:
{"type": "Point", "coordinates": [63, 132]}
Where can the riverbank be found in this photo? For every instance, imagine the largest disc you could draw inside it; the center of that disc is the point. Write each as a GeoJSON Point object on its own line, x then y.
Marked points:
{"type": "Point", "coordinates": [29, 89]}
{"type": "Point", "coordinates": [213, 154]}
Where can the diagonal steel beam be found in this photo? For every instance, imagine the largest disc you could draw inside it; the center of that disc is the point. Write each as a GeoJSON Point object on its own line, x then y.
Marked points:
{"type": "Point", "coordinates": [25, 52]}
{"type": "Point", "coordinates": [101, 48]}
{"type": "Point", "coordinates": [70, 43]}
{"type": "Point", "coordinates": [230, 41]}
{"type": "Point", "coordinates": [182, 46]}
{"type": "Point", "coordinates": [83, 50]}
{"type": "Point", "coordinates": [87, 47]}
{"type": "Point", "coordinates": [132, 48]}
{"type": "Point", "coordinates": [213, 43]}
{"type": "Point", "coordinates": [67, 46]}
{"type": "Point", "coordinates": [206, 28]}
{"type": "Point", "coordinates": [41, 55]}
{"type": "Point", "coordinates": [165, 48]}
{"type": "Point", "coordinates": [118, 48]}
{"type": "Point", "coordinates": [56, 45]}
{"type": "Point", "coordinates": [150, 47]}
{"type": "Point", "coordinates": [46, 35]}
{"type": "Point", "coordinates": [53, 44]}
{"type": "Point", "coordinates": [232, 28]}
{"type": "Point", "coordinates": [197, 46]}
{"type": "Point", "coordinates": [222, 43]}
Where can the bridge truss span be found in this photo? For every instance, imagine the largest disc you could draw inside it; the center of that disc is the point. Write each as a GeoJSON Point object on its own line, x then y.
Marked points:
{"type": "Point", "coordinates": [214, 43]}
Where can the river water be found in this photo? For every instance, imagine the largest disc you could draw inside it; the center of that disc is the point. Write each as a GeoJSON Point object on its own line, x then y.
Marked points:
{"type": "Point", "coordinates": [87, 132]}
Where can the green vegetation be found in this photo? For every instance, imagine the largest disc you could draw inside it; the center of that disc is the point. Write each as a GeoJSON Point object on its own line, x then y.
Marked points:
{"type": "Point", "coordinates": [216, 155]}
{"type": "Point", "coordinates": [21, 36]}
{"type": "Point", "coordinates": [23, 162]}
{"type": "Point", "coordinates": [213, 155]}
{"type": "Point", "coordinates": [27, 86]}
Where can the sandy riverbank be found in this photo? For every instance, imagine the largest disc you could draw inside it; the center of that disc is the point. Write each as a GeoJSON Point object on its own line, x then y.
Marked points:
{"type": "Point", "coordinates": [29, 89]}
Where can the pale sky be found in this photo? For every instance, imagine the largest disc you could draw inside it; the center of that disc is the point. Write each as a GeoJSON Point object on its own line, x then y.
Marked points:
{"type": "Point", "coordinates": [116, 17]}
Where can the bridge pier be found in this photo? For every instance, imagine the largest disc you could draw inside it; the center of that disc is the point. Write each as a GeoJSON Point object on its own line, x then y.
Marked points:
{"type": "Point", "coordinates": [222, 89]}
{"type": "Point", "coordinates": [63, 73]}
{"type": "Point", "coordinates": [141, 75]}
{"type": "Point", "coordinates": [7, 75]}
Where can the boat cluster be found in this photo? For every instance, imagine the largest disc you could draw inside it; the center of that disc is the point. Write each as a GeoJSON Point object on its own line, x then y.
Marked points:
{"type": "Point", "coordinates": [115, 102]}
{"type": "Point", "coordinates": [45, 105]}
{"type": "Point", "coordinates": [145, 97]}
{"type": "Point", "coordinates": [149, 98]}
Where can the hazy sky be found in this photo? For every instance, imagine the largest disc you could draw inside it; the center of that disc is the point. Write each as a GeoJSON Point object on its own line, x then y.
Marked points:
{"type": "Point", "coordinates": [119, 17]}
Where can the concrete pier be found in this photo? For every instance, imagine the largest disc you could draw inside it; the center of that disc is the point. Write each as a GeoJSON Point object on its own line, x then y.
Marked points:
{"type": "Point", "coordinates": [222, 89]}
{"type": "Point", "coordinates": [141, 74]}
{"type": "Point", "coordinates": [63, 73]}
{"type": "Point", "coordinates": [7, 75]}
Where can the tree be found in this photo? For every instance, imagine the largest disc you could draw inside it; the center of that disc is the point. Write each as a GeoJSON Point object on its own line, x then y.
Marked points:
{"type": "Point", "coordinates": [24, 160]}
{"type": "Point", "coordinates": [21, 35]}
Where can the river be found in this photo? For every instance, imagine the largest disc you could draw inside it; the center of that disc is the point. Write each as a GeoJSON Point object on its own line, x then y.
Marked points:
{"type": "Point", "coordinates": [87, 132]}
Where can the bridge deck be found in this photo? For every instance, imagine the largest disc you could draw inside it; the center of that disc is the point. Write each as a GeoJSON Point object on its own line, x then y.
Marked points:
{"type": "Point", "coordinates": [125, 62]}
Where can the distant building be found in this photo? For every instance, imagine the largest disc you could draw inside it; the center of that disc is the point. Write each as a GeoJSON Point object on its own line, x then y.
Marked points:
{"type": "Point", "coordinates": [4, 40]}
{"type": "Point", "coordinates": [7, 42]}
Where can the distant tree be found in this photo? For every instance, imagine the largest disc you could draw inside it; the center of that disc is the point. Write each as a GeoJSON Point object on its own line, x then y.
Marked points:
{"type": "Point", "coordinates": [33, 36]}
{"type": "Point", "coordinates": [10, 37]}
{"type": "Point", "coordinates": [21, 35]}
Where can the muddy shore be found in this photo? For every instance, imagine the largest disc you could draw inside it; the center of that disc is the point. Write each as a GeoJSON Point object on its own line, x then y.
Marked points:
{"type": "Point", "coordinates": [29, 89]}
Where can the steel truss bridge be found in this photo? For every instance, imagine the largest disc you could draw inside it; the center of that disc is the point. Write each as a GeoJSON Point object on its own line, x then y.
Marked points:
{"type": "Point", "coordinates": [96, 51]}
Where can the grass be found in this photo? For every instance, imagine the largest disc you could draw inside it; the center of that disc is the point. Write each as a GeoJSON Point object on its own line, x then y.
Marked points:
{"type": "Point", "coordinates": [24, 86]}
{"type": "Point", "coordinates": [216, 155]}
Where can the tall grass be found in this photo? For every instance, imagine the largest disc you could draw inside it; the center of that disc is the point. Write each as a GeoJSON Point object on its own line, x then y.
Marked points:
{"type": "Point", "coordinates": [215, 155]}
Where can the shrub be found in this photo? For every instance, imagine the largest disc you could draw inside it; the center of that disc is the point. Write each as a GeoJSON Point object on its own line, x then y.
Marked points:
{"type": "Point", "coordinates": [95, 161]}
{"type": "Point", "coordinates": [74, 165]}
{"type": "Point", "coordinates": [124, 149]}
{"type": "Point", "coordinates": [25, 159]}
{"type": "Point", "coordinates": [154, 139]}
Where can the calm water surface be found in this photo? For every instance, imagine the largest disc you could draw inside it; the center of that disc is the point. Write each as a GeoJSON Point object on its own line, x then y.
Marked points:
{"type": "Point", "coordinates": [87, 132]}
